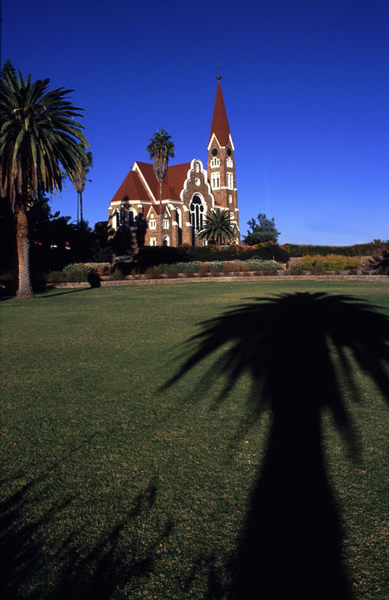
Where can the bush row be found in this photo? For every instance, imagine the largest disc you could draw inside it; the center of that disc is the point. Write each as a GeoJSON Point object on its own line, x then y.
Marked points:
{"type": "Point", "coordinates": [152, 256]}
{"type": "Point", "coordinates": [205, 268]}
{"type": "Point", "coordinates": [82, 271]}
{"type": "Point", "coordinates": [332, 262]}
{"type": "Point", "coordinates": [370, 249]}
{"type": "Point", "coordinates": [73, 272]}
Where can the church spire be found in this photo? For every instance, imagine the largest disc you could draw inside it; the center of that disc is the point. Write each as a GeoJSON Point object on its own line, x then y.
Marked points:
{"type": "Point", "coordinates": [220, 126]}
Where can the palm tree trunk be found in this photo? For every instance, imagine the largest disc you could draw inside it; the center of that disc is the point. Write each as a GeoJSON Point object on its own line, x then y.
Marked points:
{"type": "Point", "coordinates": [23, 250]}
{"type": "Point", "coordinates": [81, 213]}
{"type": "Point", "coordinates": [160, 212]}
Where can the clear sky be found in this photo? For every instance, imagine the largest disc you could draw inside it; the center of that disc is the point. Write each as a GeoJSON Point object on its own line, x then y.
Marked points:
{"type": "Point", "coordinates": [305, 83]}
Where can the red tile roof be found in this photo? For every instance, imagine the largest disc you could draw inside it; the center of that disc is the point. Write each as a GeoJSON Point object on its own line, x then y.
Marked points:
{"type": "Point", "coordinates": [220, 126]}
{"type": "Point", "coordinates": [173, 182]}
{"type": "Point", "coordinates": [131, 188]}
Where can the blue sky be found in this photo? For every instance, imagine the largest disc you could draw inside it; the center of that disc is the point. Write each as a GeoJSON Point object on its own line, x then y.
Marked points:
{"type": "Point", "coordinates": [305, 84]}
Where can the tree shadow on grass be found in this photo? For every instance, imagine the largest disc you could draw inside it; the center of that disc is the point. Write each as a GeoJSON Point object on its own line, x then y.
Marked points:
{"type": "Point", "coordinates": [46, 295]}
{"type": "Point", "coordinates": [30, 569]}
{"type": "Point", "coordinates": [301, 351]}
{"type": "Point", "coordinates": [66, 292]}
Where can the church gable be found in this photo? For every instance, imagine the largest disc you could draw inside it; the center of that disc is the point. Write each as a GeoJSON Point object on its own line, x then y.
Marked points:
{"type": "Point", "coordinates": [197, 183]}
{"type": "Point", "coordinates": [173, 182]}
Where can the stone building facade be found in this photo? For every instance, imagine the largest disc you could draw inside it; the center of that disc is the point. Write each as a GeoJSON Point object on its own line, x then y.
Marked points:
{"type": "Point", "coordinates": [189, 191]}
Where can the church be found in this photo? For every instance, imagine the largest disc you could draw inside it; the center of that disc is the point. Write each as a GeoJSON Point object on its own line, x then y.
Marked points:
{"type": "Point", "coordinates": [189, 191]}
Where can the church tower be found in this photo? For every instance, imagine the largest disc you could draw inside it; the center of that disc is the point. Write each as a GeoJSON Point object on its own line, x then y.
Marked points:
{"type": "Point", "coordinates": [221, 162]}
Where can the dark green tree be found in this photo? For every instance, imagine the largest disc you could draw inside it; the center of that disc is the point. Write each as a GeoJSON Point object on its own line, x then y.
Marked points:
{"type": "Point", "coordinates": [218, 227]}
{"type": "Point", "coordinates": [160, 149]}
{"type": "Point", "coordinates": [140, 230]}
{"type": "Point", "coordinates": [262, 230]}
{"type": "Point", "coordinates": [40, 140]}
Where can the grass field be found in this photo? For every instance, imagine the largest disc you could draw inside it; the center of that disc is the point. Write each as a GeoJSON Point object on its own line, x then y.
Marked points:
{"type": "Point", "coordinates": [112, 488]}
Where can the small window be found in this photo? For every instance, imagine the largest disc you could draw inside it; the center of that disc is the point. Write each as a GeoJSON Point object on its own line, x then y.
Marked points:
{"type": "Point", "coordinates": [230, 180]}
{"type": "Point", "coordinates": [229, 162]}
{"type": "Point", "coordinates": [153, 241]}
{"type": "Point", "coordinates": [215, 162]}
{"type": "Point", "coordinates": [153, 224]}
{"type": "Point", "coordinates": [165, 224]}
{"type": "Point", "coordinates": [229, 199]}
{"type": "Point", "coordinates": [214, 152]}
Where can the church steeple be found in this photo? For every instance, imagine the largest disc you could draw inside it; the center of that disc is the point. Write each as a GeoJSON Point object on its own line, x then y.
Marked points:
{"type": "Point", "coordinates": [220, 126]}
{"type": "Point", "coordinates": [221, 161]}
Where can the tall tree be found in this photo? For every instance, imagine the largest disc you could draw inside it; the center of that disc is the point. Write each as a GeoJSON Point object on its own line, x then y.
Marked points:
{"type": "Point", "coordinates": [218, 227]}
{"type": "Point", "coordinates": [262, 231]}
{"type": "Point", "coordinates": [40, 140]}
{"type": "Point", "coordinates": [160, 149]}
{"type": "Point", "coordinates": [79, 180]}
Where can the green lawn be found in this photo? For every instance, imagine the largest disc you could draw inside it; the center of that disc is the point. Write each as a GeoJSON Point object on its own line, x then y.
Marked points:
{"type": "Point", "coordinates": [112, 488]}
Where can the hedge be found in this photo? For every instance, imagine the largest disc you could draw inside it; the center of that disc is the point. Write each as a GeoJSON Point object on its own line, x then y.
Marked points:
{"type": "Point", "coordinates": [368, 249]}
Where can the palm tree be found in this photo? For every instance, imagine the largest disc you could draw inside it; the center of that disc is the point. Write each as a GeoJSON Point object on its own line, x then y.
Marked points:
{"type": "Point", "coordinates": [218, 227]}
{"type": "Point", "coordinates": [160, 149]}
{"type": "Point", "coordinates": [40, 140]}
{"type": "Point", "coordinates": [79, 180]}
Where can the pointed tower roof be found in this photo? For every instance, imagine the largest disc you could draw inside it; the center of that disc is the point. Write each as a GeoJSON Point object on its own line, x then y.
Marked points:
{"type": "Point", "coordinates": [220, 126]}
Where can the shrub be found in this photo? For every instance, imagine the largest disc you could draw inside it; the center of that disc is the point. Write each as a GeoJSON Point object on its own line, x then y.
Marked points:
{"type": "Point", "coordinates": [204, 268]}
{"type": "Point", "coordinates": [216, 267]}
{"type": "Point", "coordinates": [270, 252]}
{"type": "Point", "coordinates": [150, 256]}
{"type": "Point", "coordinates": [77, 272]}
{"type": "Point", "coordinates": [332, 262]}
{"type": "Point", "coordinates": [8, 282]}
{"type": "Point", "coordinates": [191, 268]}
{"type": "Point", "coordinates": [318, 269]}
{"type": "Point", "coordinates": [368, 249]}
{"type": "Point", "coordinates": [55, 277]}
{"type": "Point", "coordinates": [171, 271]}
{"type": "Point", "coordinates": [295, 270]}
{"type": "Point", "coordinates": [117, 275]}
{"type": "Point", "coordinates": [126, 267]}
{"type": "Point", "coordinates": [265, 251]}
{"type": "Point", "coordinates": [231, 267]}
{"type": "Point", "coordinates": [153, 273]}
{"type": "Point", "coordinates": [263, 265]}
{"type": "Point", "coordinates": [268, 272]}
{"type": "Point", "coordinates": [99, 255]}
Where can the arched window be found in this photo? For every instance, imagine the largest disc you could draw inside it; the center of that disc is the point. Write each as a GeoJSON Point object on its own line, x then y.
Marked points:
{"type": "Point", "coordinates": [196, 213]}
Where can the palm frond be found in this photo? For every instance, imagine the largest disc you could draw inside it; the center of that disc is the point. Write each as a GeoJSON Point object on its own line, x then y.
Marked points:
{"type": "Point", "coordinates": [218, 227]}
{"type": "Point", "coordinates": [40, 136]}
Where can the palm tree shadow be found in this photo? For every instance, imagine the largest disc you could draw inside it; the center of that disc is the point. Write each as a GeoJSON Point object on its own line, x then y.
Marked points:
{"type": "Point", "coordinates": [30, 567]}
{"type": "Point", "coordinates": [291, 543]}
{"type": "Point", "coordinates": [76, 573]}
{"type": "Point", "coordinates": [66, 292]}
